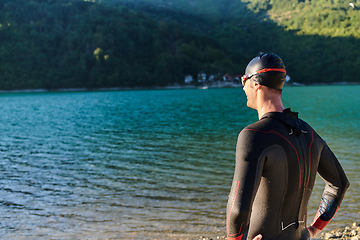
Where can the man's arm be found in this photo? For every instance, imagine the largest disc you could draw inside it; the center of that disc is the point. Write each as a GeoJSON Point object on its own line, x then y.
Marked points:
{"type": "Point", "coordinates": [336, 185]}
{"type": "Point", "coordinates": [247, 176]}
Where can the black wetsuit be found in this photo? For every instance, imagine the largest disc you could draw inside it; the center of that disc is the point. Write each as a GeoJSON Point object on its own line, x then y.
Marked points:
{"type": "Point", "coordinates": [276, 163]}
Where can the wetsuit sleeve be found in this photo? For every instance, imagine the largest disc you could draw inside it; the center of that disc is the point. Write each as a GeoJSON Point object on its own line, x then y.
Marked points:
{"type": "Point", "coordinates": [247, 176]}
{"type": "Point", "coordinates": [336, 185]}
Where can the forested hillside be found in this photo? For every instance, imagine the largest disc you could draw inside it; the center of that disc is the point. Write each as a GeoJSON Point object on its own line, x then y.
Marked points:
{"type": "Point", "coordinates": [56, 44]}
{"type": "Point", "coordinates": [319, 40]}
{"type": "Point", "coordinates": [72, 44]}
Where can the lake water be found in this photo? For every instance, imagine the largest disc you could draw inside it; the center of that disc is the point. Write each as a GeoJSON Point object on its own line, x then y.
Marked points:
{"type": "Point", "coordinates": [146, 164]}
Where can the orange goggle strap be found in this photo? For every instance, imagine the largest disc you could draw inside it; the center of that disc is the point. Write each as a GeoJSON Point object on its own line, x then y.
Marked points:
{"type": "Point", "coordinates": [272, 69]}
{"type": "Point", "coordinates": [267, 70]}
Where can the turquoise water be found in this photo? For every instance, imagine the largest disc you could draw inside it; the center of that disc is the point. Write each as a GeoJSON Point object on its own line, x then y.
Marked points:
{"type": "Point", "coordinates": [146, 164]}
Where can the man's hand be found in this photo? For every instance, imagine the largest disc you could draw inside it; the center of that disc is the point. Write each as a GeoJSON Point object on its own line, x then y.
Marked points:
{"type": "Point", "coordinates": [258, 237]}
{"type": "Point", "coordinates": [313, 231]}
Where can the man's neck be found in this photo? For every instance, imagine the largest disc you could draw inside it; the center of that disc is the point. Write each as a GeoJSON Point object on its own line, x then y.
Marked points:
{"type": "Point", "coordinates": [271, 105]}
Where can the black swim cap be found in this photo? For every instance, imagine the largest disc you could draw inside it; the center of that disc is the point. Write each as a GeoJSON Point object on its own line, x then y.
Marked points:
{"type": "Point", "coordinates": [269, 70]}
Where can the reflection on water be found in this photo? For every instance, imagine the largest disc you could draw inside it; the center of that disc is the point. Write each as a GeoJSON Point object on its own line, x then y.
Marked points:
{"type": "Point", "coordinates": [150, 164]}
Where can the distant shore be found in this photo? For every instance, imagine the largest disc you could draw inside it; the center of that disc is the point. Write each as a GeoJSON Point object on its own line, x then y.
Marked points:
{"type": "Point", "coordinates": [351, 232]}
{"type": "Point", "coordinates": [175, 86]}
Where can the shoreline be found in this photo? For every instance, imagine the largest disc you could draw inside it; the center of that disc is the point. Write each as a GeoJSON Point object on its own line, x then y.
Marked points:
{"type": "Point", "coordinates": [350, 232]}
{"type": "Point", "coordinates": [173, 87]}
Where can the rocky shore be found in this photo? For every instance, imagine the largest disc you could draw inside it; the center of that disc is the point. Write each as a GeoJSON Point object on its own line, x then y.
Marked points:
{"type": "Point", "coordinates": [351, 232]}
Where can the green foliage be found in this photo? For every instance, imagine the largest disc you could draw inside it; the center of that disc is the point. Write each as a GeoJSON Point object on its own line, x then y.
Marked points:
{"type": "Point", "coordinates": [56, 44]}
{"type": "Point", "coordinates": [71, 44]}
{"type": "Point", "coordinates": [322, 17]}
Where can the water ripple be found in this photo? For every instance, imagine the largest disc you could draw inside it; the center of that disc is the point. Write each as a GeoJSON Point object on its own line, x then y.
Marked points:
{"type": "Point", "coordinates": [137, 164]}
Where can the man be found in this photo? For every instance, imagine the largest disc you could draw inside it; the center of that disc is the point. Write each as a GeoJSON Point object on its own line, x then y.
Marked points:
{"type": "Point", "coordinates": [277, 159]}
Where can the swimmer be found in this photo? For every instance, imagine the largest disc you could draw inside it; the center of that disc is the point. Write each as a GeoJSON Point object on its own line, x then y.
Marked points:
{"type": "Point", "coordinates": [277, 159]}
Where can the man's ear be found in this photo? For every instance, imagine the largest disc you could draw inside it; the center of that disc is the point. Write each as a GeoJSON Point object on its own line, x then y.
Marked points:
{"type": "Point", "coordinates": [257, 86]}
